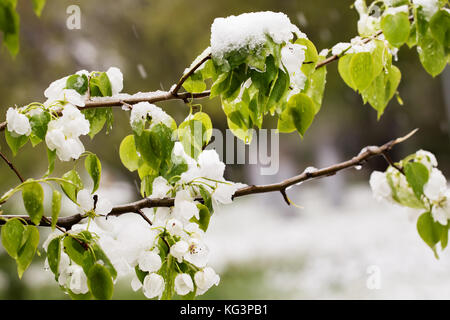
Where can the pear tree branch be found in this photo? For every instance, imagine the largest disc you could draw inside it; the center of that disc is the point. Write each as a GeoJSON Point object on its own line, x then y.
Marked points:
{"type": "Point", "coordinates": [137, 206]}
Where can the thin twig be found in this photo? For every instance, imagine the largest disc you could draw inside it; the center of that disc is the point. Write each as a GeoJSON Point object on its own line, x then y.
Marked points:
{"type": "Point", "coordinates": [361, 158]}
{"type": "Point", "coordinates": [188, 74]}
{"type": "Point", "coordinates": [13, 168]}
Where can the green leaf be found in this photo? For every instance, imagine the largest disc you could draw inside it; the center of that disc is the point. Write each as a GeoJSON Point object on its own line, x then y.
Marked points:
{"type": "Point", "coordinates": [81, 296]}
{"type": "Point", "coordinates": [51, 156]}
{"type": "Point", "coordinates": [155, 145]}
{"type": "Point", "coordinates": [12, 233]}
{"type": "Point", "coordinates": [100, 85]}
{"type": "Point", "coordinates": [140, 274]}
{"type": "Point", "coordinates": [94, 168]}
{"type": "Point", "coordinates": [38, 5]}
{"type": "Point", "coordinates": [195, 133]}
{"type": "Point", "coordinates": [311, 56]}
{"type": "Point", "coordinates": [79, 83]}
{"type": "Point", "coordinates": [100, 282]}
{"type": "Point", "coordinates": [33, 200]}
{"type": "Point", "coordinates": [168, 273]}
{"type": "Point", "coordinates": [382, 89]}
{"type": "Point", "coordinates": [361, 70]}
{"type": "Point", "coordinates": [417, 176]}
{"type": "Point", "coordinates": [54, 255]}
{"type": "Point", "coordinates": [100, 255]}
{"type": "Point", "coordinates": [316, 87]}
{"type": "Point", "coordinates": [204, 216]}
{"type": "Point", "coordinates": [71, 189]}
{"type": "Point", "coordinates": [195, 83]}
{"type": "Point", "coordinates": [75, 250]}
{"type": "Point", "coordinates": [432, 54]}
{"type": "Point", "coordinates": [440, 27]}
{"type": "Point", "coordinates": [344, 70]}
{"type": "Point", "coordinates": [298, 115]}
{"type": "Point", "coordinates": [26, 253]}
{"type": "Point", "coordinates": [15, 142]}
{"type": "Point", "coordinates": [404, 196]}
{"type": "Point", "coordinates": [396, 28]}
{"type": "Point", "coordinates": [56, 207]}
{"type": "Point", "coordinates": [39, 123]}
{"type": "Point", "coordinates": [9, 24]}
{"type": "Point", "coordinates": [128, 154]}
{"type": "Point", "coordinates": [429, 230]}
{"type": "Point", "coordinates": [97, 118]}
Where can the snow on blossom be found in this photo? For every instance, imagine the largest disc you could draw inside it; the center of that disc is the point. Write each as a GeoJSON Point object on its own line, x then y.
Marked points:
{"type": "Point", "coordinates": [63, 133]}
{"type": "Point", "coordinates": [160, 188]}
{"type": "Point", "coordinates": [436, 186]}
{"type": "Point", "coordinates": [380, 186]}
{"type": "Point", "coordinates": [142, 110]}
{"type": "Point", "coordinates": [292, 57]}
{"type": "Point", "coordinates": [86, 201]}
{"type": "Point", "coordinates": [17, 123]}
{"type": "Point", "coordinates": [115, 77]}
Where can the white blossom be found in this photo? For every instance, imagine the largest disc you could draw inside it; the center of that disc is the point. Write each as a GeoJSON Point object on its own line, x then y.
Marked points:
{"type": "Point", "coordinates": [160, 188]}
{"type": "Point", "coordinates": [115, 77]}
{"type": "Point", "coordinates": [205, 279]}
{"type": "Point", "coordinates": [210, 165]}
{"type": "Point", "coordinates": [292, 57]}
{"type": "Point", "coordinates": [86, 201]}
{"type": "Point", "coordinates": [175, 227]}
{"type": "Point", "coordinates": [436, 185]}
{"type": "Point", "coordinates": [17, 123]}
{"type": "Point", "coordinates": [427, 159]}
{"type": "Point", "coordinates": [149, 261]}
{"type": "Point", "coordinates": [185, 208]}
{"type": "Point", "coordinates": [183, 284]}
{"type": "Point", "coordinates": [153, 285]}
{"type": "Point", "coordinates": [197, 253]}
{"type": "Point", "coordinates": [179, 249]}
{"type": "Point", "coordinates": [136, 284]}
{"type": "Point", "coordinates": [380, 186]}
{"type": "Point", "coordinates": [63, 133]}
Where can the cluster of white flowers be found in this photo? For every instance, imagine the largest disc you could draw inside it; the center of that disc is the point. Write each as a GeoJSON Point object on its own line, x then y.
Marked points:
{"type": "Point", "coordinates": [63, 133]}
{"type": "Point", "coordinates": [436, 194]}
{"type": "Point", "coordinates": [130, 242]}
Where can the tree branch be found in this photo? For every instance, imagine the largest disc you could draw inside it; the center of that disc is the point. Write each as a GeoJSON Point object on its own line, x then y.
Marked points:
{"type": "Point", "coordinates": [158, 96]}
{"type": "Point", "coordinates": [187, 74]}
{"type": "Point", "coordinates": [13, 168]}
{"type": "Point", "coordinates": [137, 206]}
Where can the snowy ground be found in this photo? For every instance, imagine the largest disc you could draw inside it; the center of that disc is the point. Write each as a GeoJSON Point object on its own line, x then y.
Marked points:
{"type": "Point", "coordinates": [331, 251]}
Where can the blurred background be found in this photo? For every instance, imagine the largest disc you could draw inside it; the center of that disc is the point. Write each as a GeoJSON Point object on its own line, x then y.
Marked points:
{"type": "Point", "coordinates": [329, 248]}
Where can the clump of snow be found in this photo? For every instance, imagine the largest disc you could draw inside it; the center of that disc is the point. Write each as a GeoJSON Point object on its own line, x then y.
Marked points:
{"type": "Point", "coordinates": [249, 31]}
